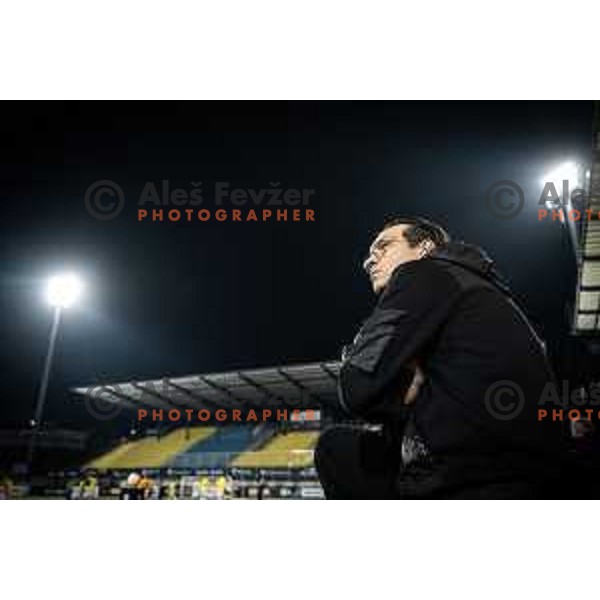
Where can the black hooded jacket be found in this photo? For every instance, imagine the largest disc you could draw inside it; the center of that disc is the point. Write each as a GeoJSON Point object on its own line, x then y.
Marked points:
{"type": "Point", "coordinates": [485, 368]}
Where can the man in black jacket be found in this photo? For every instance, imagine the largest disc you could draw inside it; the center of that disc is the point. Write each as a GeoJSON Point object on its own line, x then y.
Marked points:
{"type": "Point", "coordinates": [445, 376]}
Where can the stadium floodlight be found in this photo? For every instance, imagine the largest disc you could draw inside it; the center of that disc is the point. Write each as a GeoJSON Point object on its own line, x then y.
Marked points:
{"type": "Point", "coordinates": [569, 171]}
{"type": "Point", "coordinates": [64, 290]}
{"type": "Point", "coordinates": [566, 178]}
{"type": "Point", "coordinates": [572, 173]}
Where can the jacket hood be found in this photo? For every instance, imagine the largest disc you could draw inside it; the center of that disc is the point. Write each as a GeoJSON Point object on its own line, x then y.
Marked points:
{"type": "Point", "coordinates": [472, 258]}
{"type": "Point", "coordinates": [476, 260]}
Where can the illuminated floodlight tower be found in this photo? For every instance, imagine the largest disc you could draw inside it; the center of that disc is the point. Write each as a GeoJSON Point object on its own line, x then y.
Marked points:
{"type": "Point", "coordinates": [570, 181]}
{"type": "Point", "coordinates": [62, 292]}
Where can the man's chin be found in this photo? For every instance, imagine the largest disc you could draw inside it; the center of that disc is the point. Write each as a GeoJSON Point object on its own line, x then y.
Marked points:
{"type": "Point", "coordinates": [378, 286]}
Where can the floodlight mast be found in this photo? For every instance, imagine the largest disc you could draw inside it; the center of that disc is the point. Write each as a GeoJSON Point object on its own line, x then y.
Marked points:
{"type": "Point", "coordinates": [568, 177]}
{"type": "Point", "coordinates": [62, 292]}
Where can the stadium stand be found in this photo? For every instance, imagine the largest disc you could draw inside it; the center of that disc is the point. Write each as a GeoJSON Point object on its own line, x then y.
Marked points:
{"type": "Point", "coordinates": [293, 449]}
{"type": "Point", "coordinates": [218, 450]}
{"type": "Point", "coordinates": [151, 452]}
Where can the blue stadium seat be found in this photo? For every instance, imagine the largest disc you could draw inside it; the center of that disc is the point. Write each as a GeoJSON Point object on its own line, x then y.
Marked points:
{"type": "Point", "coordinates": [221, 448]}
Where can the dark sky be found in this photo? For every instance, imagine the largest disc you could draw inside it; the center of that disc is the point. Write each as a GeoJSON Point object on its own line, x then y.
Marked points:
{"type": "Point", "coordinates": [179, 298]}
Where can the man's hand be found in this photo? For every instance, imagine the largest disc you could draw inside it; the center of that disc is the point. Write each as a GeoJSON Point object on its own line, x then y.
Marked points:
{"type": "Point", "coordinates": [415, 386]}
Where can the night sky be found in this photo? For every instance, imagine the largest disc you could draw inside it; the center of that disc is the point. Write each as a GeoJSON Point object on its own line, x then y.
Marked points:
{"type": "Point", "coordinates": [178, 298]}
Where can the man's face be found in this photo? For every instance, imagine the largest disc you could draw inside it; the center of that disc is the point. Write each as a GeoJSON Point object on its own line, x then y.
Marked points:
{"type": "Point", "coordinates": [389, 250]}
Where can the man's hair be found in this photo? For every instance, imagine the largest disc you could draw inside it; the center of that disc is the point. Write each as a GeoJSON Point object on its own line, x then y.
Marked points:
{"type": "Point", "coordinates": [419, 230]}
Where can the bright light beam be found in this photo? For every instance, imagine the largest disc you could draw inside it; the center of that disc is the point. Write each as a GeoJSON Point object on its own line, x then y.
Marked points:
{"type": "Point", "coordinates": [64, 290]}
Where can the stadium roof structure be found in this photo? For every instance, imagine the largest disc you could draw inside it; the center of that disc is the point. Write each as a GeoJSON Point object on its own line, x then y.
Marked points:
{"type": "Point", "coordinates": [292, 386]}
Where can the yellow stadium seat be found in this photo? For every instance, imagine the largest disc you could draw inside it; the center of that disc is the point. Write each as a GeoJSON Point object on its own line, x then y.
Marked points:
{"type": "Point", "coordinates": [151, 452]}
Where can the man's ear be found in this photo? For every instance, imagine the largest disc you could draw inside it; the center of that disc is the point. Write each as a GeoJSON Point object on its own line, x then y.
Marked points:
{"type": "Point", "coordinates": [426, 248]}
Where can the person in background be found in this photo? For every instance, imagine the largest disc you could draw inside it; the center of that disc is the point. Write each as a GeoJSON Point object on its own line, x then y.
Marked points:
{"type": "Point", "coordinates": [171, 490]}
{"type": "Point", "coordinates": [144, 486]}
{"type": "Point", "coordinates": [196, 488]}
{"type": "Point", "coordinates": [220, 486]}
{"type": "Point", "coordinates": [205, 486]}
{"type": "Point", "coordinates": [229, 491]}
{"type": "Point", "coordinates": [90, 489]}
{"type": "Point", "coordinates": [129, 489]}
{"type": "Point", "coordinates": [6, 487]}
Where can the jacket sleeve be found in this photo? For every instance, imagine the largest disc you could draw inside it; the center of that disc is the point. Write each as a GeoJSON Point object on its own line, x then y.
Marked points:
{"type": "Point", "coordinates": [376, 368]}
